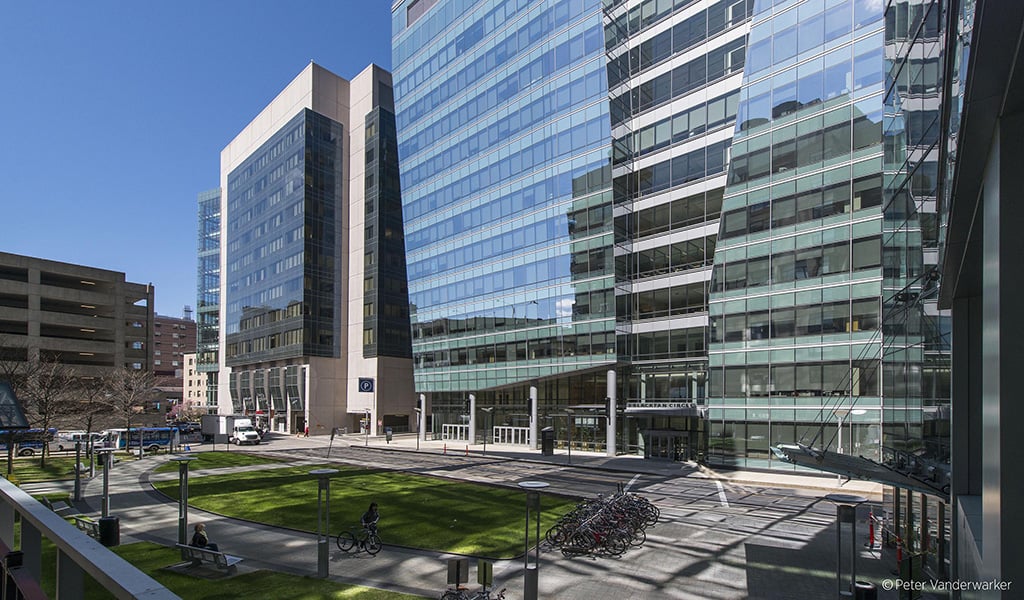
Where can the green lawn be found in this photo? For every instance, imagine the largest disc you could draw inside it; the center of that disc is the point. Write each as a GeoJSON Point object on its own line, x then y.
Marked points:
{"type": "Point", "coordinates": [216, 460]}
{"type": "Point", "coordinates": [416, 511]}
{"type": "Point", "coordinates": [153, 559]}
{"type": "Point", "coordinates": [26, 470]}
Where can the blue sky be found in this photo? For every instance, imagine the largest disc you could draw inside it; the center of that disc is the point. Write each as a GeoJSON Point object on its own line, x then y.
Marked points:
{"type": "Point", "coordinates": [113, 116]}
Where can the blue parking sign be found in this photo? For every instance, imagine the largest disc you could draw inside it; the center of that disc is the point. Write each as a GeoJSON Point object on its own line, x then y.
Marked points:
{"type": "Point", "coordinates": [366, 384]}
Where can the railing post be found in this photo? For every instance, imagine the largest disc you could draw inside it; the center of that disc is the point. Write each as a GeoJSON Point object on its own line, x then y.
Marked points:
{"type": "Point", "coordinates": [32, 547]}
{"type": "Point", "coordinates": [69, 578]}
{"type": "Point", "coordinates": [7, 524]}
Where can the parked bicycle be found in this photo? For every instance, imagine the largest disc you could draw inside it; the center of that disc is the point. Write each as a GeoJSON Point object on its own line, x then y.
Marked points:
{"type": "Point", "coordinates": [367, 539]}
{"type": "Point", "coordinates": [464, 594]}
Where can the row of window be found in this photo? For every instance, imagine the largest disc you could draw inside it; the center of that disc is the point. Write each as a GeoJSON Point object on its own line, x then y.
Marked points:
{"type": "Point", "coordinates": [576, 344]}
{"type": "Point", "coordinates": [558, 140]}
{"type": "Point", "coordinates": [267, 154]}
{"type": "Point", "coordinates": [665, 302]}
{"type": "Point", "coordinates": [788, 152]}
{"type": "Point", "coordinates": [659, 345]}
{"type": "Point", "coordinates": [797, 265]}
{"type": "Point", "coordinates": [585, 305]}
{"type": "Point", "coordinates": [260, 344]}
{"type": "Point", "coordinates": [680, 81]}
{"type": "Point", "coordinates": [838, 378]}
{"type": "Point", "coordinates": [816, 319]}
{"type": "Point", "coordinates": [684, 168]}
{"type": "Point", "coordinates": [564, 55]}
{"type": "Point", "coordinates": [677, 128]}
{"type": "Point", "coordinates": [671, 42]}
{"type": "Point", "coordinates": [840, 198]}
{"type": "Point", "coordinates": [678, 214]}
{"type": "Point", "coordinates": [674, 258]}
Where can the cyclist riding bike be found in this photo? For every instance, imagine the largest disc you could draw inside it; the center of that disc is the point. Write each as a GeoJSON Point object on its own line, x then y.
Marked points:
{"type": "Point", "coordinates": [370, 518]}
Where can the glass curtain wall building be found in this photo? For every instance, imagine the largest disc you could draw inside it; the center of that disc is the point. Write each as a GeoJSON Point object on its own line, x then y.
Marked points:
{"type": "Point", "coordinates": [504, 139]}
{"type": "Point", "coordinates": [208, 294]}
{"type": "Point", "coordinates": [796, 298]}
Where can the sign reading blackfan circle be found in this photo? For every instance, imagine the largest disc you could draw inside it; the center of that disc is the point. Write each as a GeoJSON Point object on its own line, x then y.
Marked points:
{"type": "Point", "coordinates": [366, 384]}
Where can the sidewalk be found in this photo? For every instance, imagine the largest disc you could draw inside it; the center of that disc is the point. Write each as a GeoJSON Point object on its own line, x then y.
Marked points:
{"type": "Point", "coordinates": [819, 483]}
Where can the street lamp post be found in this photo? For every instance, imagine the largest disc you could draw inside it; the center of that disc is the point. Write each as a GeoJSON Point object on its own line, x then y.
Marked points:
{"type": "Point", "coordinates": [106, 453]}
{"type": "Point", "coordinates": [419, 423]}
{"type": "Point", "coordinates": [366, 439]}
{"type": "Point", "coordinates": [487, 430]}
{"type": "Point", "coordinates": [571, 414]}
{"type": "Point", "coordinates": [323, 520]}
{"type": "Point", "coordinates": [840, 413]}
{"type": "Point", "coordinates": [530, 572]}
{"type": "Point", "coordinates": [183, 498]}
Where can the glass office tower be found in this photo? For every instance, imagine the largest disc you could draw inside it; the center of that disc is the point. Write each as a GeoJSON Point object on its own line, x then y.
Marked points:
{"type": "Point", "coordinates": [796, 298]}
{"type": "Point", "coordinates": [504, 145]}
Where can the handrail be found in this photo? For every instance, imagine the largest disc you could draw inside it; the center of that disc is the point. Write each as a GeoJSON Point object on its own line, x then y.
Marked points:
{"type": "Point", "coordinates": [114, 573]}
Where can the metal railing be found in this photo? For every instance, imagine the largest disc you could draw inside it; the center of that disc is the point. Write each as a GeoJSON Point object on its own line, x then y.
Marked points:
{"type": "Point", "coordinates": [77, 554]}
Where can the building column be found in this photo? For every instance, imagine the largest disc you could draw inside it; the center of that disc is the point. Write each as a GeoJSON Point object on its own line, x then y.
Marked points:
{"type": "Point", "coordinates": [610, 433]}
{"type": "Point", "coordinates": [533, 418]}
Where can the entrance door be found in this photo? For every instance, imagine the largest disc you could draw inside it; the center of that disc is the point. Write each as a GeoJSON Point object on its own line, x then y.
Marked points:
{"type": "Point", "coordinates": [670, 445]}
{"type": "Point", "coordinates": [661, 446]}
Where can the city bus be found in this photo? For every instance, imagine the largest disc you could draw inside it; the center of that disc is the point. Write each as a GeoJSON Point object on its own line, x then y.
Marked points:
{"type": "Point", "coordinates": [152, 438]}
{"type": "Point", "coordinates": [26, 441]}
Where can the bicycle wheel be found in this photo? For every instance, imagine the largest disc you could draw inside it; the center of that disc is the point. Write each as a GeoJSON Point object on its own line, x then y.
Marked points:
{"type": "Point", "coordinates": [453, 595]}
{"type": "Point", "coordinates": [346, 541]}
{"type": "Point", "coordinates": [373, 544]}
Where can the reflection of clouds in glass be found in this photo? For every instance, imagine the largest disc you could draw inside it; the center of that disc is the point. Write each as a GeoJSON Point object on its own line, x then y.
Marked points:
{"type": "Point", "coordinates": [563, 307]}
{"type": "Point", "coordinates": [876, 5]}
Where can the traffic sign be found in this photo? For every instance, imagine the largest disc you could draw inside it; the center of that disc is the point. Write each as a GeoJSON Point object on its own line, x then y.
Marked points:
{"type": "Point", "coordinates": [366, 384]}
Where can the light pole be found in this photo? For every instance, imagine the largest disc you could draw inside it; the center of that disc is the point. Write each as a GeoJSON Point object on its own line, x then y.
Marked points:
{"type": "Point", "coordinates": [840, 413]}
{"type": "Point", "coordinates": [570, 412]}
{"type": "Point", "coordinates": [106, 453]}
{"type": "Point", "coordinates": [183, 498]}
{"type": "Point", "coordinates": [366, 439]}
{"type": "Point", "coordinates": [487, 430]}
{"type": "Point", "coordinates": [323, 520]}
{"type": "Point", "coordinates": [419, 416]}
{"type": "Point", "coordinates": [530, 572]}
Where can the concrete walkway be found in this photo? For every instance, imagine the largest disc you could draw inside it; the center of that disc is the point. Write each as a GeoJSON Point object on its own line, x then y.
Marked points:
{"type": "Point", "coordinates": [146, 515]}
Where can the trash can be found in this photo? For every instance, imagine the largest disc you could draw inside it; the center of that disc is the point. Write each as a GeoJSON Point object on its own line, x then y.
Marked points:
{"type": "Point", "coordinates": [110, 531]}
{"type": "Point", "coordinates": [865, 590]}
{"type": "Point", "coordinates": [547, 441]}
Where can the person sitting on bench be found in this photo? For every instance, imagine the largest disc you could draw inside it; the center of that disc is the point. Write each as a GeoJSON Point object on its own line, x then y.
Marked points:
{"type": "Point", "coordinates": [200, 539]}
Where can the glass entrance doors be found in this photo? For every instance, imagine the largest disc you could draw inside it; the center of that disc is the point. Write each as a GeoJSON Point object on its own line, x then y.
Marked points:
{"type": "Point", "coordinates": [668, 445]}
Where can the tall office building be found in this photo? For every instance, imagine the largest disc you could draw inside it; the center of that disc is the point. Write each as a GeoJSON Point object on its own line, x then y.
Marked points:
{"type": "Point", "coordinates": [732, 238]}
{"type": "Point", "coordinates": [562, 168]}
{"type": "Point", "coordinates": [313, 308]}
{"type": "Point", "coordinates": [208, 294]}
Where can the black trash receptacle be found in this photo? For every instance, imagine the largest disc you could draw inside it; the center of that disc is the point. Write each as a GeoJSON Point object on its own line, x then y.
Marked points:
{"type": "Point", "coordinates": [865, 590]}
{"type": "Point", "coordinates": [547, 441]}
{"type": "Point", "coordinates": [110, 531]}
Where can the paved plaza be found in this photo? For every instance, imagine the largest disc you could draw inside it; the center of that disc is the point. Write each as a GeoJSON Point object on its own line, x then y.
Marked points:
{"type": "Point", "coordinates": [721, 535]}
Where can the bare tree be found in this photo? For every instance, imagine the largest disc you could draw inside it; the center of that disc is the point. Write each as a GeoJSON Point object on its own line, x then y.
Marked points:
{"type": "Point", "coordinates": [46, 395]}
{"type": "Point", "coordinates": [130, 391]}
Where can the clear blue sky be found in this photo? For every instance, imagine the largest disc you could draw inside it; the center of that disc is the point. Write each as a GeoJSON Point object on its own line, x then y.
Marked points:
{"type": "Point", "coordinates": [113, 116]}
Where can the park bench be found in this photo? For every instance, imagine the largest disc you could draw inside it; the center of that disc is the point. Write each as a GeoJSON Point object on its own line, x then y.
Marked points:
{"type": "Point", "coordinates": [89, 526]}
{"type": "Point", "coordinates": [198, 556]}
{"type": "Point", "coordinates": [58, 507]}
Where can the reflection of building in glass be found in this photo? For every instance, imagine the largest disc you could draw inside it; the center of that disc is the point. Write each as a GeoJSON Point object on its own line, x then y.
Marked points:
{"type": "Point", "coordinates": [537, 267]}
{"type": "Point", "coordinates": [796, 311]}
{"type": "Point", "coordinates": [308, 209]}
{"type": "Point", "coordinates": [208, 296]}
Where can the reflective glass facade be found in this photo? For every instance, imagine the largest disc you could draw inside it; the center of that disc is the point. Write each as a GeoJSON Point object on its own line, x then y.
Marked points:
{"type": "Point", "coordinates": [796, 297]}
{"type": "Point", "coordinates": [208, 292]}
{"type": "Point", "coordinates": [504, 139]}
{"type": "Point", "coordinates": [283, 246]}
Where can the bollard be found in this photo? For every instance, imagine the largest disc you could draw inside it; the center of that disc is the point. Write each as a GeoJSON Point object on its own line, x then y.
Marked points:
{"type": "Point", "coordinates": [467, 450]}
{"type": "Point", "coordinates": [445, 450]}
{"type": "Point", "coordinates": [871, 530]}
